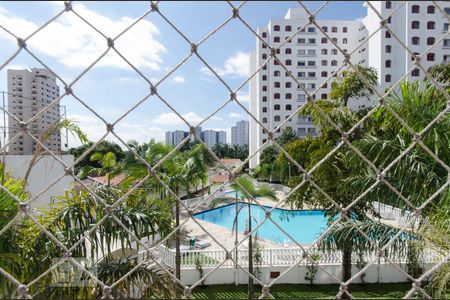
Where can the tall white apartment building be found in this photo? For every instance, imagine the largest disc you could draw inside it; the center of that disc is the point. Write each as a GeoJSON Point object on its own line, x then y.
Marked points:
{"type": "Point", "coordinates": [30, 91]}
{"type": "Point", "coordinates": [239, 133]}
{"type": "Point", "coordinates": [212, 137]}
{"type": "Point", "coordinates": [419, 25]}
{"type": "Point", "coordinates": [312, 58]}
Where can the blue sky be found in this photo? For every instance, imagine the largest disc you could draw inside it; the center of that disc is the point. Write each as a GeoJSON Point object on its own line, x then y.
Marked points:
{"type": "Point", "coordinates": [112, 87]}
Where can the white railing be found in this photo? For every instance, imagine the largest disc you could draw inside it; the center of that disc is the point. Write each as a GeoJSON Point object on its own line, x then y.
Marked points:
{"type": "Point", "coordinates": [274, 257]}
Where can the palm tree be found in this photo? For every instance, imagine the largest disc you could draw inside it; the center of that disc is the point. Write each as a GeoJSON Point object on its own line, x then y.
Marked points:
{"type": "Point", "coordinates": [181, 172]}
{"type": "Point", "coordinates": [249, 190]}
{"type": "Point", "coordinates": [109, 167]}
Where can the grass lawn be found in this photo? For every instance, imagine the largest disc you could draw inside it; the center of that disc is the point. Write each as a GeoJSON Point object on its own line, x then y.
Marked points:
{"type": "Point", "coordinates": [302, 291]}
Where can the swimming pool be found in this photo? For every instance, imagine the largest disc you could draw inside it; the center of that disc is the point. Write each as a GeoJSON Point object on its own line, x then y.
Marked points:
{"type": "Point", "coordinates": [303, 225]}
{"type": "Point", "coordinates": [234, 194]}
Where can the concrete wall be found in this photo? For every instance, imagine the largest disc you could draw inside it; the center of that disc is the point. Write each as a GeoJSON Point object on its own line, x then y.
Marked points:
{"type": "Point", "coordinates": [377, 273]}
{"type": "Point", "coordinates": [45, 171]}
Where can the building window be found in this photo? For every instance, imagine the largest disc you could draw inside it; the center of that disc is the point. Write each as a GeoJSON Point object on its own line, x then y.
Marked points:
{"type": "Point", "coordinates": [264, 88]}
{"type": "Point", "coordinates": [276, 107]}
{"type": "Point", "coordinates": [430, 9]}
{"type": "Point", "coordinates": [387, 34]}
{"type": "Point", "coordinates": [264, 46]}
{"type": "Point", "coordinates": [334, 29]}
{"type": "Point", "coordinates": [276, 96]}
{"type": "Point", "coordinates": [276, 39]}
{"type": "Point", "coordinates": [430, 41]}
{"type": "Point", "coordinates": [311, 41]}
{"type": "Point", "coordinates": [334, 40]}
{"type": "Point", "coordinates": [446, 43]}
{"type": "Point", "coordinates": [324, 40]}
{"type": "Point", "coordinates": [388, 5]}
{"type": "Point", "coordinates": [324, 74]}
{"type": "Point", "coordinates": [387, 63]}
{"type": "Point", "coordinates": [445, 27]}
{"type": "Point", "coordinates": [276, 28]}
{"type": "Point", "coordinates": [276, 73]}
{"type": "Point", "coordinates": [288, 28]}
{"type": "Point", "coordinates": [264, 120]}
{"type": "Point", "coordinates": [430, 56]}
{"type": "Point", "coordinates": [276, 84]}
{"type": "Point", "coordinates": [389, 20]}
{"type": "Point", "coordinates": [415, 73]}
{"type": "Point", "coordinates": [288, 96]}
{"type": "Point", "coordinates": [264, 56]}
{"type": "Point", "coordinates": [415, 40]}
{"type": "Point", "coordinates": [325, 28]}
{"type": "Point", "coordinates": [344, 41]}
{"type": "Point", "coordinates": [288, 107]}
{"type": "Point", "coordinates": [415, 24]}
{"type": "Point", "coordinates": [344, 29]}
{"type": "Point", "coordinates": [264, 77]}
{"type": "Point", "coordinates": [288, 62]}
{"type": "Point", "coordinates": [324, 52]}
{"type": "Point", "coordinates": [324, 85]}
{"type": "Point", "coordinates": [415, 9]}
{"type": "Point", "coordinates": [334, 63]}
{"type": "Point", "coordinates": [288, 85]}
{"type": "Point", "coordinates": [264, 34]}
{"type": "Point", "coordinates": [387, 78]}
{"type": "Point", "coordinates": [431, 25]}
{"type": "Point", "coordinates": [277, 118]}
{"type": "Point", "coordinates": [324, 96]}
{"type": "Point", "coordinates": [388, 49]}
{"type": "Point", "coordinates": [311, 29]}
{"type": "Point", "coordinates": [264, 109]}
{"type": "Point", "coordinates": [264, 99]}
{"type": "Point", "coordinates": [324, 62]}
{"type": "Point", "coordinates": [288, 51]}
{"type": "Point", "coordinates": [333, 51]}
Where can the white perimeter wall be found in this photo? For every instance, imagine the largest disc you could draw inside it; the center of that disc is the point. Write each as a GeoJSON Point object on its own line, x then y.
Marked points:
{"type": "Point", "coordinates": [44, 172]}
{"type": "Point", "coordinates": [377, 273]}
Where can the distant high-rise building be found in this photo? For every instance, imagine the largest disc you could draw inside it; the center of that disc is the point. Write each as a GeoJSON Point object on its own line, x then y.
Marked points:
{"type": "Point", "coordinates": [239, 133]}
{"type": "Point", "coordinates": [212, 137]}
{"type": "Point", "coordinates": [173, 138]}
{"type": "Point", "coordinates": [30, 91]}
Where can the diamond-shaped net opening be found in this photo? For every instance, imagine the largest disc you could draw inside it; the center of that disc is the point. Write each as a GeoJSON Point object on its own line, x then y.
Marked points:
{"type": "Point", "coordinates": [360, 153]}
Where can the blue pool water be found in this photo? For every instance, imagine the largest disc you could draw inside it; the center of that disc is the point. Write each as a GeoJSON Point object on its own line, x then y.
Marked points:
{"type": "Point", "coordinates": [303, 225]}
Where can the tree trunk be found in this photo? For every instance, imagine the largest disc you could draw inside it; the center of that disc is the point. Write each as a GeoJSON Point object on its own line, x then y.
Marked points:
{"type": "Point", "coordinates": [346, 265]}
{"type": "Point", "coordinates": [250, 292]}
{"type": "Point", "coordinates": [177, 241]}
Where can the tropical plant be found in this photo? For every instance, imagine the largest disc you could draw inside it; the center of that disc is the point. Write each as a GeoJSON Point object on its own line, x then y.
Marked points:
{"type": "Point", "coordinates": [312, 268]}
{"type": "Point", "coordinates": [249, 190]}
{"type": "Point", "coordinates": [109, 167]}
{"type": "Point", "coordinates": [350, 85]}
{"type": "Point", "coordinates": [441, 73]}
{"type": "Point", "coordinates": [182, 172]}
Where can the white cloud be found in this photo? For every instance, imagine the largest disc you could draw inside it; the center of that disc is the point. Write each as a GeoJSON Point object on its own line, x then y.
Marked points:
{"type": "Point", "coordinates": [235, 116]}
{"type": "Point", "coordinates": [243, 97]}
{"type": "Point", "coordinates": [179, 79]}
{"type": "Point", "coordinates": [74, 44]}
{"type": "Point", "coordinates": [94, 128]}
{"type": "Point", "coordinates": [238, 65]}
{"type": "Point", "coordinates": [173, 119]}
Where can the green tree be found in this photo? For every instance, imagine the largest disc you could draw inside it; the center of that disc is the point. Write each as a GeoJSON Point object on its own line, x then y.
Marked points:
{"type": "Point", "coordinates": [181, 172]}
{"type": "Point", "coordinates": [103, 147]}
{"type": "Point", "coordinates": [249, 191]}
{"type": "Point", "coordinates": [441, 73]}
{"type": "Point", "coordinates": [350, 85]}
{"type": "Point", "coordinates": [288, 134]}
